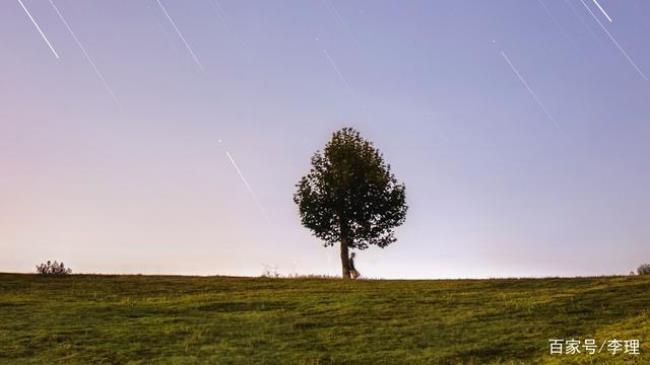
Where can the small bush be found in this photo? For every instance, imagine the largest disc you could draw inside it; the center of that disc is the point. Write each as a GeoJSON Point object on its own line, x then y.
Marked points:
{"type": "Point", "coordinates": [643, 269]}
{"type": "Point", "coordinates": [270, 272]}
{"type": "Point", "coordinates": [53, 268]}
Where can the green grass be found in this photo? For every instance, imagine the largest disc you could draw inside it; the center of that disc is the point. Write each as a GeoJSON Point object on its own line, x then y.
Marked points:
{"type": "Point", "coordinates": [87, 319]}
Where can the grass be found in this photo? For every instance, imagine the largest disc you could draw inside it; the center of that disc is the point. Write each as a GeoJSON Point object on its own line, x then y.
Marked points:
{"type": "Point", "coordinates": [97, 319]}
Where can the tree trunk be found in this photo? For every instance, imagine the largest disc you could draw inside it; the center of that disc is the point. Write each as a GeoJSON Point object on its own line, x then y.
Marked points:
{"type": "Point", "coordinates": [345, 259]}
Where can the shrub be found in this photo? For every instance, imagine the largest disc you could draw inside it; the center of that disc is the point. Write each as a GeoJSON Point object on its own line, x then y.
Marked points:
{"type": "Point", "coordinates": [53, 268]}
{"type": "Point", "coordinates": [643, 269]}
{"type": "Point", "coordinates": [270, 272]}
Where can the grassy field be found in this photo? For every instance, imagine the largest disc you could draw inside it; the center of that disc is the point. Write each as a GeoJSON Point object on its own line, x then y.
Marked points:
{"type": "Point", "coordinates": [86, 319]}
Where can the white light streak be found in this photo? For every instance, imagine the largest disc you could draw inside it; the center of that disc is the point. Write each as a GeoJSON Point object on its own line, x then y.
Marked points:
{"type": "Point", "coordinates": [553, 19]}
{"type": "Point", "coordinates": [602, 10]}
{"type": "Point", "coordinates": [336, 68]}
{"type": "Point", "coordinates": [248, 187]}
{"type": "Point", "coordinates": [530, 90]}
{"type": "Point", "coordinates": [335, 11]}
{"type": "Point", "coordinates": [86, 55]}
{"type": "Point", "coordinates": [611, 37]}
{"type": "Point", "coordinates": [180, 35]}
{"type": "Point", "coordinates": [569, 3]}
{"type": "Point", "coordinates": [39, 29]}
{"type": "Point", "coordinates": [218, 9]}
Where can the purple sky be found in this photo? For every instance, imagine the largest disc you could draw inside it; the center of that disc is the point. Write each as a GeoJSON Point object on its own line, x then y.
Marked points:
{"type": "Point", "coordinates": [520, 128]}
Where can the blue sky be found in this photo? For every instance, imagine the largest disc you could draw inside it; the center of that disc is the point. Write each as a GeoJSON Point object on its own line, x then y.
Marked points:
{"type": "Point", "coordinates": [519, 128]}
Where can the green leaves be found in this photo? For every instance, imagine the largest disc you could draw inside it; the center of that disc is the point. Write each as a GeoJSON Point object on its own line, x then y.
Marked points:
{"type": "Point", "coordinates": [351, 194]}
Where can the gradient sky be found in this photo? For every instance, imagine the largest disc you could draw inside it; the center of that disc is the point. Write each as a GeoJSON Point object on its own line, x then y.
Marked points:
{"type": "Point", "coordinates": [541, 173]}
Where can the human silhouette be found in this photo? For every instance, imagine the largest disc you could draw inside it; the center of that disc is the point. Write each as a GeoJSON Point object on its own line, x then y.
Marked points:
{"type": "Point", "coordinates": [353, 270]}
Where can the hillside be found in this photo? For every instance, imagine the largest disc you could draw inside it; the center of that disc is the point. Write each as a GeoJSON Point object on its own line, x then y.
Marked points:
{"type": "Point", "coordinates": [84, 319]}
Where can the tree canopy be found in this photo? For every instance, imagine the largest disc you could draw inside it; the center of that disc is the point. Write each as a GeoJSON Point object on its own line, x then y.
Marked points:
{"type": "Point", "coordinates": [350, 195]}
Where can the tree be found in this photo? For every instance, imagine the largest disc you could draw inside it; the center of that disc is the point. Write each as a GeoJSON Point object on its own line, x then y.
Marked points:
{"type": "Point", "coordinates": [350, 196]}
{"type": "Point", "coordinates": [643, 269]}
{"type": "Point", "coordinates": [53, 268]}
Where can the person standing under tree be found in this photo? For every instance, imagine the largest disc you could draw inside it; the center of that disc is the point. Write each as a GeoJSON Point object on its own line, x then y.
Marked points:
{"type": "Point", "coordinates": [353, 270]}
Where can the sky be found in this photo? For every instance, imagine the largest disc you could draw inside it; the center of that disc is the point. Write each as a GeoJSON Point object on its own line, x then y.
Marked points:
{"type": "Point", "coordinates": [167, 136]}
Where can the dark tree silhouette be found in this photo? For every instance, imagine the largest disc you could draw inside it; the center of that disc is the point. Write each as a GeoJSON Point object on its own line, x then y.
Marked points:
{"type": "Point", "coordinates": [53, 268]}
{"type": "Point", "coordinates": [350, 196]}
